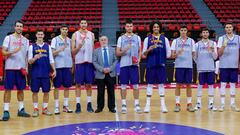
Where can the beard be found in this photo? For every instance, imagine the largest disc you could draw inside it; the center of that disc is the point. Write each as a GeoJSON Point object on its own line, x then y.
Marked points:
{"type": "Point", "coordinates": [18, 31]}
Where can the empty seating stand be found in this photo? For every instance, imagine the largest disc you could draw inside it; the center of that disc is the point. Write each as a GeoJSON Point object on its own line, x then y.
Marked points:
{"type": "Point", "coordinates": [226, 10]}
{"type": "Point", "coordinates": [171, 13]}
{"type": "Point", "coordinates": [51, 14]}
{"type": "Point", "coordinates": [5, 8]}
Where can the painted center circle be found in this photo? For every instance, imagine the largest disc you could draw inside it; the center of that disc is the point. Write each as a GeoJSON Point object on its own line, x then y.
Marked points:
{"type": "Point", "coordinates": [123, 128]}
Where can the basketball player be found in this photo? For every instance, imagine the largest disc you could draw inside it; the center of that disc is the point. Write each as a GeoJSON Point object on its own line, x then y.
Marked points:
{"type": "Point", "coordinates": [206, 53]}
{"type": "Point", "coordinates": [128, 48]}
{"type": "Point", "coordinates": [157, 50]}
{"type": "Point", "coordinates": [82, 49]}
{"type": "Point", "coordinates": [41, 58]}
{"type": "Point", "coordinates": [15, 47]}
{"type": "Point", "coordinates": [61, 46]}
{"type": "Point", "coordinates": [183, 51]}
{"type": "Point", "coordinates": [228, 51]}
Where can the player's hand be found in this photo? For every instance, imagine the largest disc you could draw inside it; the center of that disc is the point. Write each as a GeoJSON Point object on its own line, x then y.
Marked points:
{"type": "Point", "coordinates": [1, 78]}
{"type": "Point", "coordinates": [37, 56]}
{"type": "Point", "coordinates": [144, 56]}
{"type": "Point", "coordinates": [17, 49]}
{"type": "Point", "coordinates": [80, 45]}
{"type": "Point", "coordinates": [225, 41]}
{"type": "Point", "coordinates": [54, 73]}
{"type": "Point", "coordinates": [179, 52]}
{"type": "Point", "coordinates": [63, 48]}
{"type": "Point", "coordinates": [106, 70]}
{"type": "Point", "coordinates": [72, 70]}
{"type": "Point", "coordinates": [128, 47]}
{"type": "Point", "coordinates": [151, 48]}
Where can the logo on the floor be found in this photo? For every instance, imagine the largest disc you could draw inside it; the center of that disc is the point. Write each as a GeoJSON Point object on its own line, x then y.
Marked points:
{"type": "Point", "coordinates": [123, 128]}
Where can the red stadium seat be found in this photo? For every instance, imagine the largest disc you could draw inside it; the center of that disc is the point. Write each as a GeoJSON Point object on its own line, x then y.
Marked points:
{"type": "Point", "coordinates": [169, 12]}
{"type": "Point", "coordinates": [72, 29]}
{"type": "Point", "coordinates": [45, 13]}
{"type": "Point", "coordinates": [25, 29]}
{"type": "Point", "coordinates": [5, 8]}
{"type": "Point", "coordinates": [196, 27]}
{"type": "Point", "coordinates": [33, 29]}
{"type": "Point", "coordinates": [225, 10]}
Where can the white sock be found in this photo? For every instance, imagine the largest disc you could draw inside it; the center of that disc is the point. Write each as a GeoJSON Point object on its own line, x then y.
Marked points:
{"type": "Point", "coordinates": [162, 100]}
{"type": "Point", "coordinates": [20, 105]}
{"type": "Point", "coordinates": [124, 102]}
{"type": "Point", "coordinates": [177, 99]}
{"type": "Point", "coordinates": [56, 103]}
{"type": "Point", "coordinates": [136, 101]}
{"type": "Point", "coordinates": [148, 103]}
{"type": "Point", "coordinates": [161, 90]}
{"type": "Point", "coordinates": [6, 106]}
{"type": "Point", "coordinates": [232, 93]}
{"type": "Point", "coordinates": [222, 89]}
{"type": "Point", "coordinates": [199, 90]}
{"type": "Point", "coordinates": [78, 99]}
{"type": "Point", "coordinates": [210, 90]}
{"type": "Point", "coordinates": [89, 99]}
{"type": "Point", "coordinates": [232, 101]}
{"type": "Point", "coordinates": [149, 89]}
{"type": "Point", "coordinates": [222, 100]}
{"type": "Point", "coordinates": [45, 105]}
{"type": "Point", "coordinates": [210, 100]}
{"type": "Point", "coordinates": [35, 105]}
{"type": "Point", "coordinates": [189, 100]}
{"type": "Point", "coordinates": [199, 99]}
{"type": "Point", "coordinates": [65, 101]}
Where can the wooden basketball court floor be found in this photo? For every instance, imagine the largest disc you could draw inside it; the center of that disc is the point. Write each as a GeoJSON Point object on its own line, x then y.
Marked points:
{"type": "Point", "coordinates": [226, 122]}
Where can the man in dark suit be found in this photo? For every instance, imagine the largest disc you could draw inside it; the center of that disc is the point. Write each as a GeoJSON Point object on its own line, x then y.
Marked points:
{"type": "Point", "coordinates": [104, 61]}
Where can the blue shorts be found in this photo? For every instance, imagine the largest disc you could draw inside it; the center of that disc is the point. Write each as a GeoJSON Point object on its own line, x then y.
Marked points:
{"type": "Point", "coordinates": [183, 75]}
{"type": "Point", "coordinates": [63, 78]}
{"type": "Point", "coordinates": [84, 73]}
{"type": "Point", "coordinates": [229, 75]}
{"type": "Point", "coordinates": [206, 77]}
{"type": "Point", "coordinates": [156, 75]}
{"type": "Point", "coordinates": [14, 77]}
{"type": "Point", "coordinates": [129, 73]}
{"type": "Point", "coordinates": [37, 83]}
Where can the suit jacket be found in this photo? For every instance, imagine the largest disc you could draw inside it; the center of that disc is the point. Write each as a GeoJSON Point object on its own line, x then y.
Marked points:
{"type": "Point", "coordinates": [99, 64]}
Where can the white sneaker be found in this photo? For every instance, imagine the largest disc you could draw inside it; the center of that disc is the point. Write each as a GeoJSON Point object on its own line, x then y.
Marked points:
{"type": "Point", "coordinates": [235, 108]}
{"type": "Point", "coordinates": [221, 108]}
{"type": "Point", "coordinates": [124, 109]}
{"type": "Point", "coordinates": [147, 109]}
{"type": "Point", "coordinates": [198, 106]}
{"type": "Point", "coordinates": [56, 111]}
{"type": "Point", "coordinates": [211, 107]}
{"type": "Point", "coordinates": [138, 109]}
{"type": "Point", "coordinates": [164, 108]}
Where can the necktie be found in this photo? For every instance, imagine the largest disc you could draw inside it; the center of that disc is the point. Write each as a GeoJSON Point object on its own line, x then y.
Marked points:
{"type": "Point", "coordinates": [106, 64]}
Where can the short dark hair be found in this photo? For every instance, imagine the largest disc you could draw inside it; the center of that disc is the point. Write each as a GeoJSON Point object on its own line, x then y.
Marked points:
{"type": "Point", "coordinates": [183, 26]}
{"type": "Point", "coordinates": [83, 19]}
{"type": "Point", "coordinates": [19, 21]}
{"type": "Point", "coordinates": [64, 26]}
{"type": "Point", "coordinates": [228, 23]}
{"type": "Point", "coordinates": [152, 24]}
{"type": "Point", "coordinates": [39, 30]}
{"type": "Point", "coordinates": [205, 29]}
{"type": "Point", "coordinates": [128, 21]}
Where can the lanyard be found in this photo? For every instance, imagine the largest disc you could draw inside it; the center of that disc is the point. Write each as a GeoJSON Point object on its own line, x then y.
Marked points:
{"type": "Point", "coordinates": [129, 39]}
{"type": "Point", "coordinates": [19, 43]}
{"type": "Point", "coordinates": [183, 42]}
{"type": "Point", "coordinates": [156, 41]}
{"type": "Point", "coordinates": [64, 40]}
